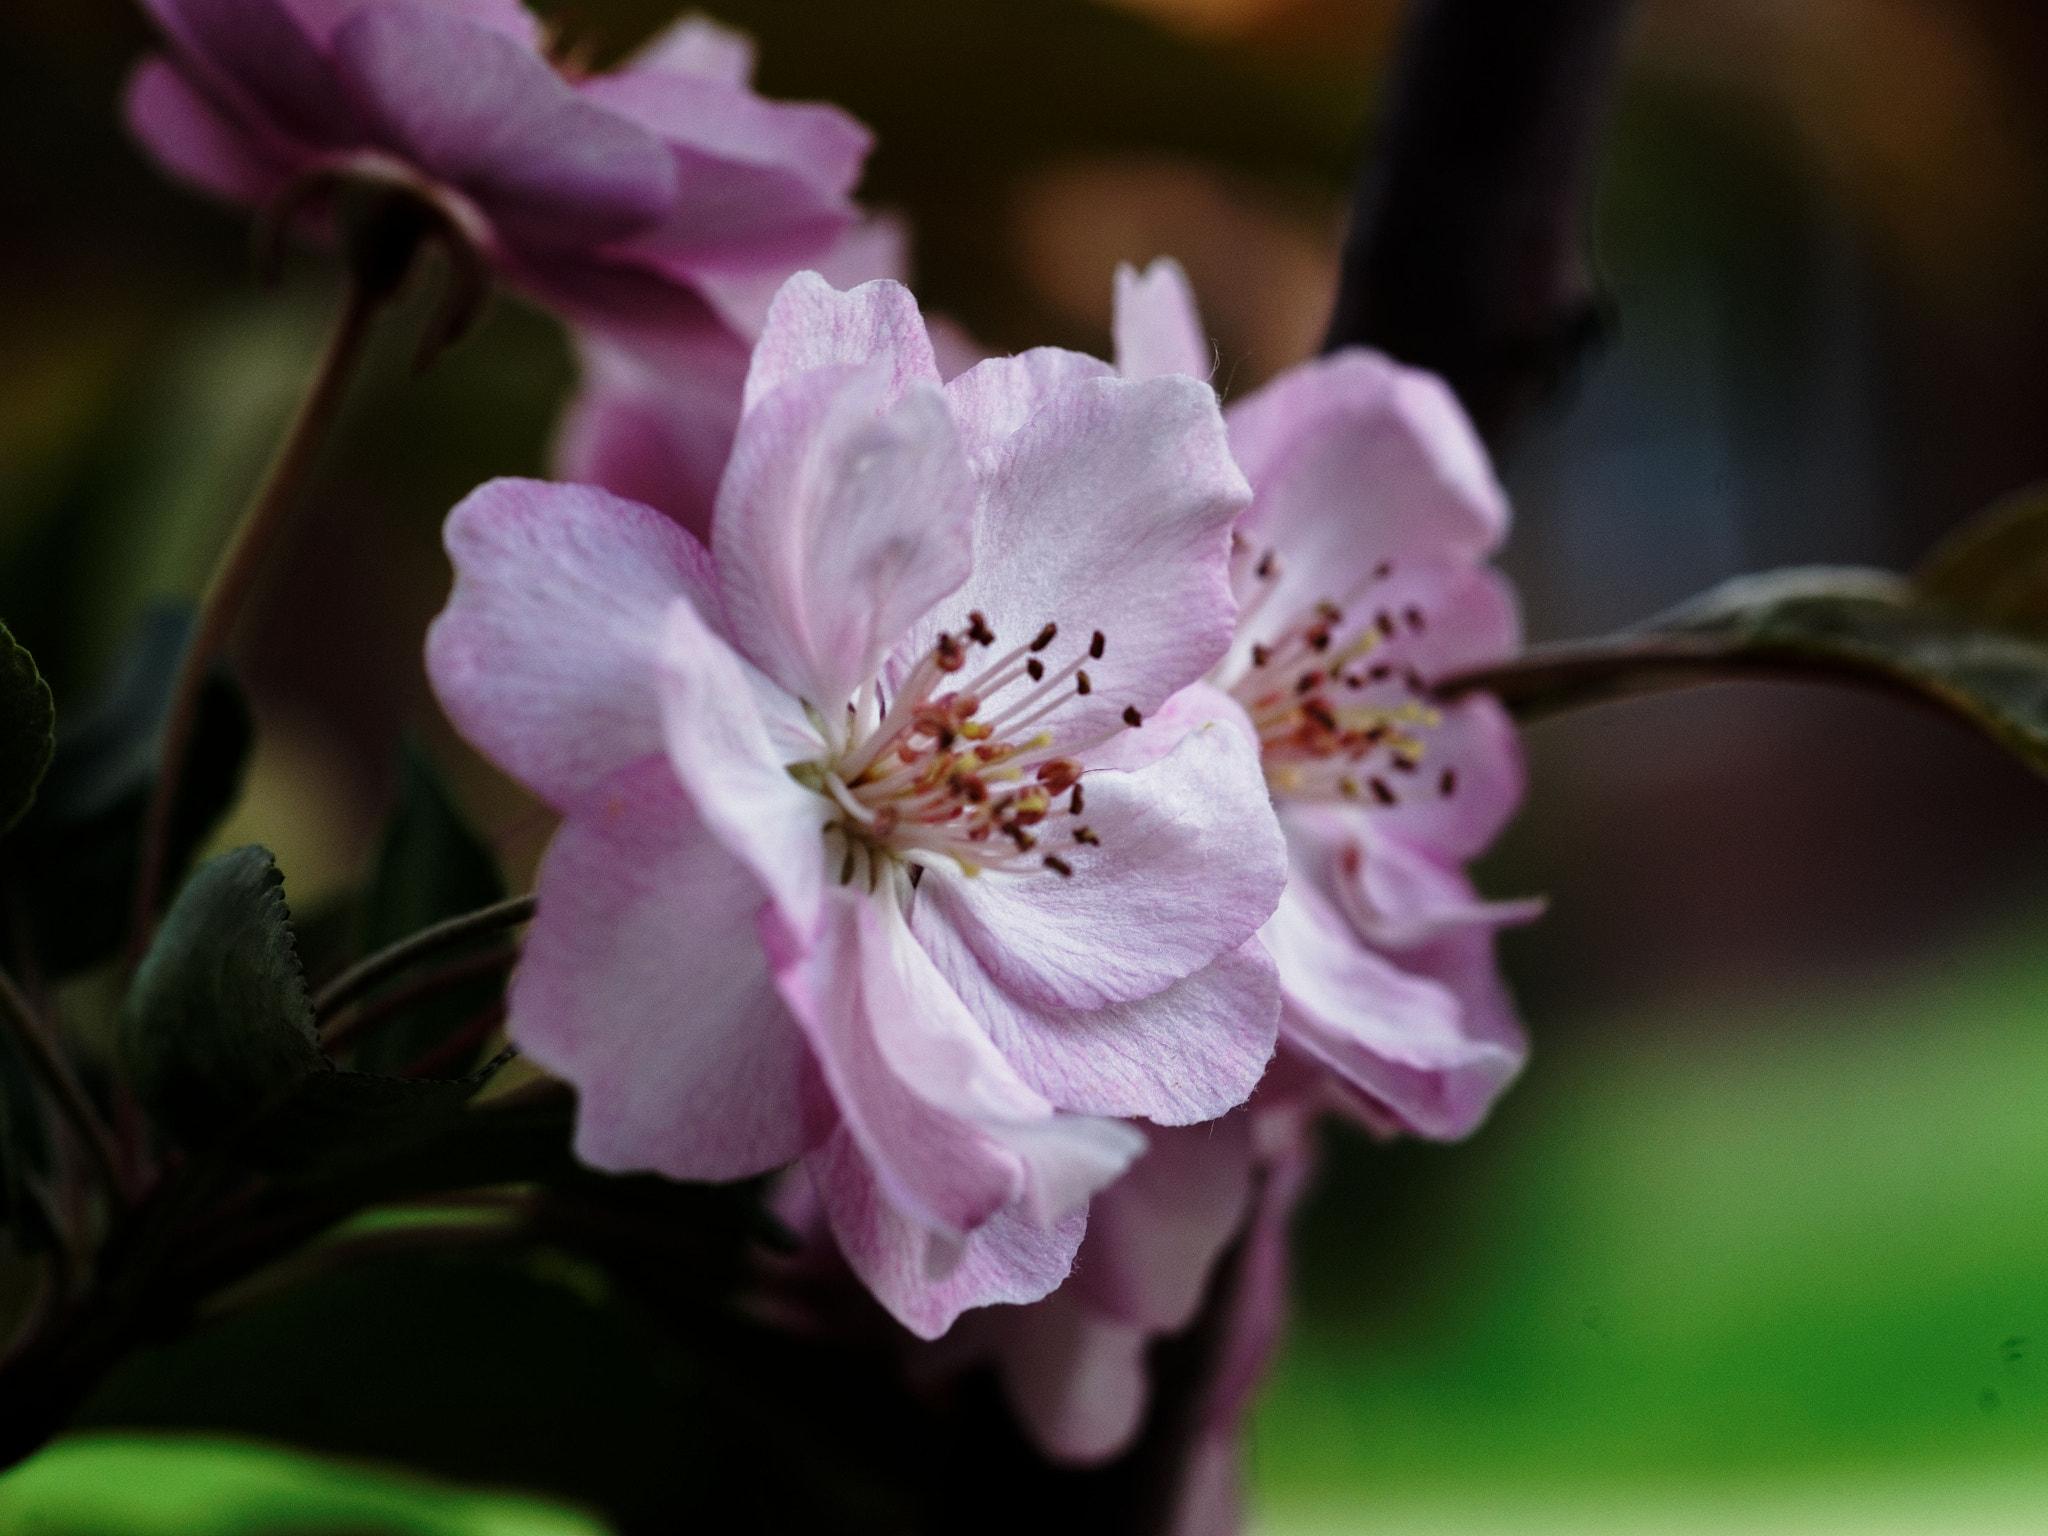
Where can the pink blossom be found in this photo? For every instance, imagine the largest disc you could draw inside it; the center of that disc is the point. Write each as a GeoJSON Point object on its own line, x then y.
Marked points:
{"type": "Point", "coordinates": [1359, 569]}
{"type": "Point", "coordinates": [634, 199]}
{"type": "Point", "coordinates": [853, 866]}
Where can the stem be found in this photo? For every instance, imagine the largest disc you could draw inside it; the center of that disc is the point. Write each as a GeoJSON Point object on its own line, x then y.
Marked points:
{"type": "Point", "coordinates": [359, 978]}
{"type": "Point", "coordinates": [1465, 250]}
{"type": "Point", "coordinates": [21, 1022]}
{"type": "Point", "coordinates": [342, 1033]}
{"type": "Point", "coordinates": [227, 592]}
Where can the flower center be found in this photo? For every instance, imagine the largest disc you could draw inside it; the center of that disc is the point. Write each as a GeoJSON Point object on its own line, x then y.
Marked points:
{"type": "Point", "coordinates": [1339, 714]}
{"type": "Point", "coordinates": [961, 767]}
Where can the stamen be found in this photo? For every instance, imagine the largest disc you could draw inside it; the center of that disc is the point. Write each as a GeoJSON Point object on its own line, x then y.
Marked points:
{"type": "Point", "coordinates": [1036, 668]}
{"type": "Point", "coordinates": [951, 654]}
{"type": "Point", "coordinates": [1447, 783]}
{"type": "Point", "coordinates": [978, 630]}
{"type": "Point", "coordinates": [1097, 645]}
{"type": "Point", "coordinates": [1059, 866]}
{"type": "Point", "coordinates": [1045, 637]}
{"type": "Point", "coordinates": [1074, 801]}
{"type": "Point", "coordinates": [1083, 835]}
{"type": "Point", "coordinates": [1131, 718]}
{"type": "Point", "coordinates": [1382, 793]}
{"type": "Point", "coordinates": [1081, 683]}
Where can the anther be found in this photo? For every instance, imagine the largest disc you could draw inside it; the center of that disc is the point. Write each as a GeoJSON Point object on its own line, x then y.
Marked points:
{"type": "Point", "coordinates": [1348, 788]}
{"type": "Point", "coordinates": [1383, 570]}
{"type": "Point", "coordinates": [1098, 645]}
{"type": "Point", "coordinates": [968, 787]}
{"type": "Point", "coordinates": [1384, 622]}
{"type": "Point", "coordinates": [1045, 637]}
{"type": "Point", "coordinates": [951, 655]}
{"type": "Point", "coordinates": [1261, 655]}
{"type": "Point", "coordinates": [1447, 782]}
{"type": "Point", "coordinates": [1405, 763]}
{"type": "Point", "coordinates": [1081, 683]}
{"type": "Point", "coordinates": [1131, 718]}
{"type": "Point", "coordinates": [1382, 793]}
{"type": "Point", "coordinates": [1083, 835]}
{"type": "Point", "coordinates": [1267, 565]}
{"type": "Point", "coordinates": [1308, 682]}
{"type": "Point", "coordinates": [1414, 618]}
{"type": "Point", "coordinates": [1074, 800]}
{"type": "Point", "coordinates": [978, 630]}
{"type": "Point", "coordinates": [1058, 865]}
{"type": "Point", "coordinates": [1035, 667]}
{"type": "Point", "coordinates": [1058, 774]}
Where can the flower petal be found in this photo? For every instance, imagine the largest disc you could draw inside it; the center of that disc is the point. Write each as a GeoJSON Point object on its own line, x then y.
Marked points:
{"type": "Point", "coordinates": [952, 1133]}
{"type": "Point", "coordinates": [813, 325]}
{"type": "Point", "coordinates": [757, 182]}
{"type": "Point", "coordinates": [477, 110]}
{"type": "Point", "coordinates": [1077, 1380]}
{"type": "Point", "coordinates": [925, 1279]}
{"type": "Point", "coordinates": [844, 515]}
{"type": "Point", "coordinates": [728, 736]}
{"type": "Point", "coordinates": [1155, 1234]}
{"type": "Point", "coordinates": [1185, 1054]}
{"type": "Point", "coordinates": [1400, 1038]}
{"type": "Point", "coordinates": [193, 140]}
{"type": "Point", "coordinates": [256, 57]}
{"type": "Point", "coordinates": [1108, 509]}
{"type": "Point", "coordinates": [876, 246]}
{"type": "Point", "coordinates": [1359, 464]}
{"type": "Point", "coordinates": [1157, 328]}
{"type": "Point", "coordinates": [656, 434]}
{"type": "Point", "coordinates": [545, 654]}
{"type": "Point", "coordinates": [643, 984]}
{"type": "Point", "coordinates": [1395, 894]}
{"type": "Point", "coordinates": [1188, 863]}
{"type": "Point", "coordinates": [697, 45]}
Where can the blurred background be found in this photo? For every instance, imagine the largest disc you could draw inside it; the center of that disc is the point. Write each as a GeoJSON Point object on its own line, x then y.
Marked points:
{"type": "Point", "coordinates": [1761, 1240]}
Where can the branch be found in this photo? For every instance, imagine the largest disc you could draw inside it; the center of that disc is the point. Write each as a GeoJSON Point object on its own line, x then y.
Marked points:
{"type": "Point", "coordinates": [1465, 254]}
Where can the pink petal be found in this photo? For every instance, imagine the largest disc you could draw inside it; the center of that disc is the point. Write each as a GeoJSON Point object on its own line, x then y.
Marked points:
{"type": "Point", "coordinates": [716, 717]}
{"type": "Point", "coordinates": [545, 654]}
{"type": "Point", "coordinates": [1395, 894]}
{"type": "Point", "coordinates": [1359, 463]}
{"type": "Point", "coordinates": [194, 141]}
{"type": "Point", "coordinates": [669, 324]}
{"type": "Point", "coordinates": [995, 398]}
{"type": "Point", "coordinates": [952, 1134]}
{"type": "Point", "coordinates": [757, 182]}
{"type": "Point", "coordinates": [812, 325]}
{"type": "Point", "coordinates": [1189, 863]}
{"type": "Point", "coordinates": [845, 514]}
{"type": "Point", "coordinates": [698, 46]}
{"type": "Point", "coordinates": [507, 17]}
{"type": "Point", "coordinates": [643, 984]}
{"type": "Point", "coordinates": [925, 1279]}
{"type": "Point", "coordinates": [654, 433]}
{"type": "Point", "coordinates": [1076, 1379]}
{"type": "Point", "coordinates": [257, 58]}
{"type": "Point", "coordinates": [1185, 1054]}
{"type": "Point", "coordinates": [1108, 509]}
{"type": "Point", "coordinates": [1154, 1236]}
{"type": "Point", "coordinates": [1158, 331]}
{"type": "Point", "coordinates": [1401, 1038]}
{"type": "Point", "coordinates": [877, 246]}
{"type": "Point", "coordinates": [475, 109]}
{"type": "Point", "coordinates": [1476, 742]}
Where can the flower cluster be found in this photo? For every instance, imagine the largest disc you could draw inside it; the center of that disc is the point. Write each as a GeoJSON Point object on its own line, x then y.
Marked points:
{"type": "Point", "coordinates": [1014, 796]}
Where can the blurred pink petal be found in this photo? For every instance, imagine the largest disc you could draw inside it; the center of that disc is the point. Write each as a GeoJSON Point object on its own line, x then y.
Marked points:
{"type": "Point", "coordinates": [195, 140]}
{"type": "Point", "coordinates": [1157, 329]}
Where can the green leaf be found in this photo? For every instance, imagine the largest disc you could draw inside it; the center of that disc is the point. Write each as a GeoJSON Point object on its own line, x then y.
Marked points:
{"type": "Point", "coordinates": [73, 857]}
{"type": "Point", "coordinates": [218, 1027]}
{"type": "Point", "coordinates": [28, 721]}
{"type": "Point", "coordinates": [430, 867]}
{"type": "Point", "coordinates": [219, 1041]}
{"type": "Point", "coordinates": [1995, 567]}
{"type": "Point", "coordinates": [1821, 624]}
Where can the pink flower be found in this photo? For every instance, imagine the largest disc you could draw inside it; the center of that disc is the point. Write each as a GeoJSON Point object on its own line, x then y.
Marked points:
{"type": "Point", "coordinates": [631, 199]}
{"type": "Point", "coordinates": [1360, 576]}
{"type": "Point", "coordinates": [872, 854]}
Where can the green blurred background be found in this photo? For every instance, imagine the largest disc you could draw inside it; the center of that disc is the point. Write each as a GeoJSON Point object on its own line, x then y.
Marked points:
{"type": "Point", "coordinates": [1761, 1241]}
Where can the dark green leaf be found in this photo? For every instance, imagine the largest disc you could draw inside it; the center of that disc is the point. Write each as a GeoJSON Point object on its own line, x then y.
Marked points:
{"type": "Point", "coordinates": [430, 867]}
{"type": "Point", "coordinates": [73, 857]}
{"type": "Point", "coordinates": [219, 1041]}
{"type": "Point", "coordinates": [1825, 625]}
{"type": "Point", "coordinates": [27, 725]}
{"type": "Point", "coordinates": [218, 1028]}
{"type": "Point", "coordinates": [1995, 567]}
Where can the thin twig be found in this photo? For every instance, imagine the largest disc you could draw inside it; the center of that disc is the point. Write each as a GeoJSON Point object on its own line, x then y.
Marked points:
{"type": "Point", "coordinates": [339, 1034]}
{"type": "Point", "coordinates": [234, 577]}
{"type": "Point", "coordinates": [21, 1021]}
{"type": "Point", "coordinates": [359, 978]}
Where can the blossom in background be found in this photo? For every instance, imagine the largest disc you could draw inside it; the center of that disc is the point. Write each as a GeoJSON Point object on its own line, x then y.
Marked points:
{"type": "Point", "coordinates": [890, 840]}
{"type": "Point", "coordinates": [647, 201]}
{"type": "Point", "coordinates": [1359, 569]}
